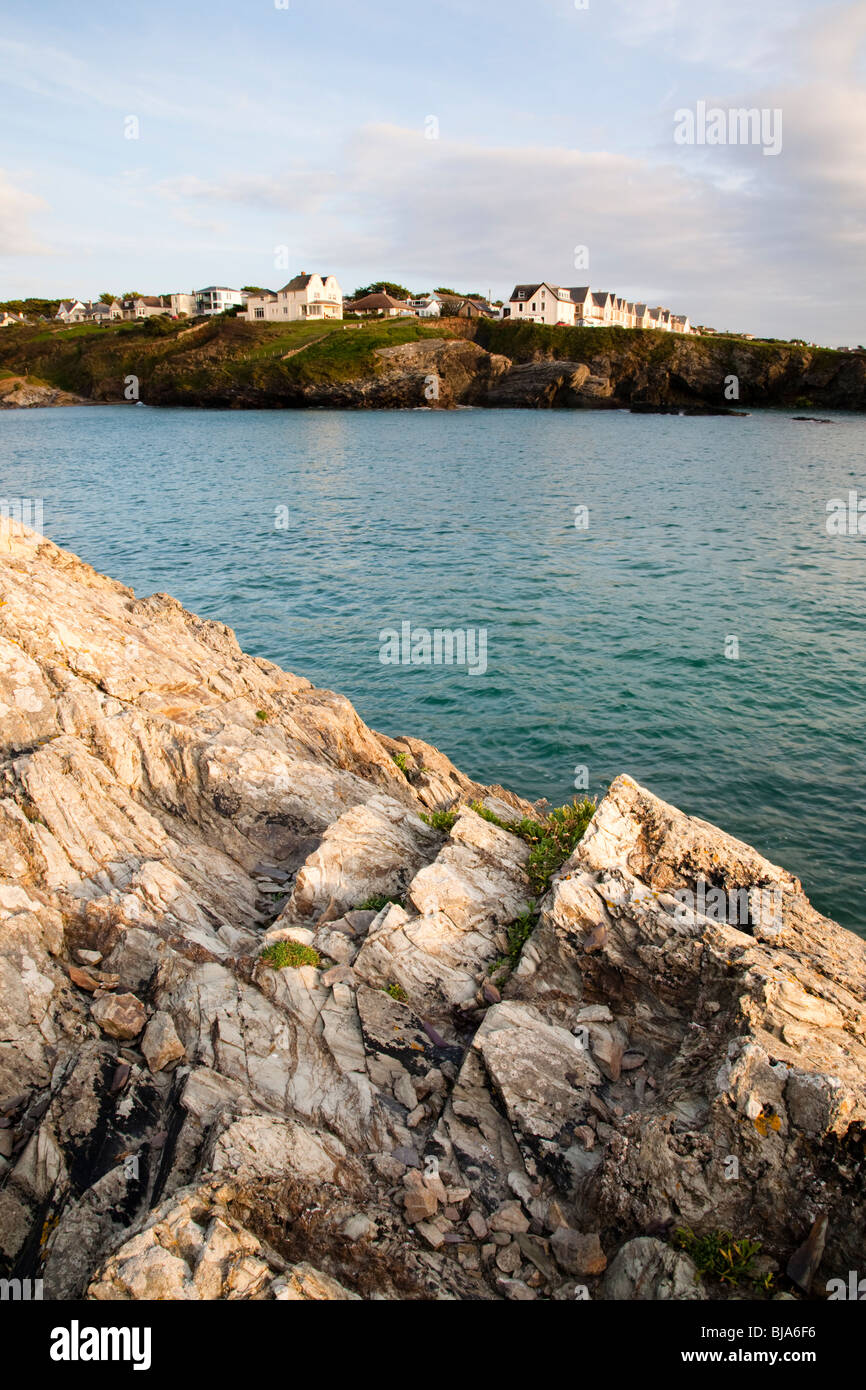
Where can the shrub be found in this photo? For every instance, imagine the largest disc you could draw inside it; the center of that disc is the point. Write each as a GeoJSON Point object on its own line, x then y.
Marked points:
{"type": "Point", "coordinates": [719, 1256]}
{"type": "Point", "coordinates": [440, 820]}
{"type": "Point", "coordinates": [551, 840]}
{"type": "Point", "coordinates": [291, 954]}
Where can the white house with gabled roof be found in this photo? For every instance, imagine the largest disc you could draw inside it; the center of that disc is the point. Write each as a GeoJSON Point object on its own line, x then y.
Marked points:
{"type": "Point", "coordinates": [304, 297]}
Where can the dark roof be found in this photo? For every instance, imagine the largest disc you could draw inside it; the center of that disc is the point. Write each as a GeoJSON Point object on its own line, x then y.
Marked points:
{"type": "Point", "coordinates": [525, 291]}
{"type": "Point", "coordinates": [300, 282]}
{"type": "Point", "coordinates": [377, 301]}
{"type": "Point", "coordinates": [579, 293]}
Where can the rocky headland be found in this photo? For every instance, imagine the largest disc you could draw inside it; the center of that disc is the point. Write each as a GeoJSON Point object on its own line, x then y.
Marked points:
{"type": "Point", "coordinates": [282, 1018]}
{"type": "Point", "coordinates": [415, 364]}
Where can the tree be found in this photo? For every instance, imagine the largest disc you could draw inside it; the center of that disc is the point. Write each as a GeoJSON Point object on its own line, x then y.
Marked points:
{"type": "Point", "coordinates": [384, 287]}
{"type": "Point", "coordinates": [254, 289]}
{"type": "Point", "coordinates": [107, 297]}
{"type": "Point", "coordinates": [132, 294]}
{"type": "Point", "coordinates": [444, 289]}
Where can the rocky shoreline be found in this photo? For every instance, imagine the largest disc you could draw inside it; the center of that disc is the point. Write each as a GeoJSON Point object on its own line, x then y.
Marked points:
{"type": "Point", "coordinates": [402, 1098]}
{"type": "Point", "coordinates": [227, 363]}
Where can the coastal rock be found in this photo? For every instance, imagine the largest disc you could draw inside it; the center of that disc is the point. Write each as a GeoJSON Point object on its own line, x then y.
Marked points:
{"type": "Point", "coordinates": [648, 1269]}
{"type": "Point", "coordinates": [370, 850]}
{"type": "Point", "coordinates": [170, 805]}
{"type": "Point", "coordinates": [161, 1045]}
{"type": "Point", "coordinates": [120, 1015]}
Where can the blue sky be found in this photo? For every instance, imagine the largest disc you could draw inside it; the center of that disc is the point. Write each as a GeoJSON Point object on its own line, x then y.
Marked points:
{"type": "Point", "coordinates": [306, 127]}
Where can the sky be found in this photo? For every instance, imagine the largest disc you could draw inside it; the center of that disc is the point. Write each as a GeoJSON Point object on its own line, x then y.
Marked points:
{"type": "Point", "coordinates": [469, 143]}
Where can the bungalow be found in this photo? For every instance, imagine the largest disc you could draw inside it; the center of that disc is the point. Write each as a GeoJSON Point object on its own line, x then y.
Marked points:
{"type": "Point", "coordinates": [7, 320]}
{"type": "Point", "coordinates": [304, 297]}
{"type": "Point", "coordinates": [382, 305]}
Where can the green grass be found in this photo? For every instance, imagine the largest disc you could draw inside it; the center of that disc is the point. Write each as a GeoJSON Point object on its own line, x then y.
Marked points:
{"type": "Point", "coordinates": [518, 933]}
{"type": "Point", "coordinates": [719, 1256]}
{"type": "Point", "coordinates": [219, 361]}
{"type": "Point", "coordinates": [440, 820]}
{"type": "Point", "coordinates": [396, 992]}
{"type": "Point", "coordinates": [551, 840]}
{"type": "Point", "coordinates": [377, 902]}
{"type": "Point", "coordinates": [403, 763]}
{"type": "Point", "coordinates": [291, 954]}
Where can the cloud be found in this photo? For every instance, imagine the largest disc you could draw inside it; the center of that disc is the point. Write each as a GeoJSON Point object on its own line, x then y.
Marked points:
{"type": "Point", "coordinates": [16, 208]}
{"type": "Point", "coordinates": [740, 35]}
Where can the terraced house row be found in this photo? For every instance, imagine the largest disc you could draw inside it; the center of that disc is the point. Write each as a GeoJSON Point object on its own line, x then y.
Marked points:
{"type": "Point", "coordinates": [586, 308]}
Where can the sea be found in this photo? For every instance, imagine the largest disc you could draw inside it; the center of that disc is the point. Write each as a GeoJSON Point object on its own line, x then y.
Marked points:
{"type": "Point", "coordinates": [550, 597]}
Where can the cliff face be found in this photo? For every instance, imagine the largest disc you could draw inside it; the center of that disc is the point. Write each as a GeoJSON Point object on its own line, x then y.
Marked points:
{"type": "Point", "coordinates": [227, 362]}
{"type": "Point", "coordinates": [429, 1105]}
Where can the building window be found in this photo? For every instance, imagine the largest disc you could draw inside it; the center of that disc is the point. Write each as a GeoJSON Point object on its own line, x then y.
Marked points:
{"type": "Point", "coordinates": [259, 313]}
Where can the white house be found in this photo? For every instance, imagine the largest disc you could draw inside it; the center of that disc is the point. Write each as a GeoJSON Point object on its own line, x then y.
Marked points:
{"type": "Point", "coordinates": [183, 303]}
{"type": "Point", "coordinates": [304, 297]}
{"type": "Point", "coordinates": [7, 320]}
{"type": "Point", "coordinates": [541, 303]}
{"type": "Point", "coordinates": [71, 311]}
{"type": "Point", "coordinates": [215, 299]}
{"type": "Point", "coordinates": [149, 306]}
{"type": "Point", "coordinates": [426, 306]}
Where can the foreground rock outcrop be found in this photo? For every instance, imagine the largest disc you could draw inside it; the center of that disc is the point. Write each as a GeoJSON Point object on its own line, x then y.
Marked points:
{"type": "Point", "coordinates": [413, 1107]}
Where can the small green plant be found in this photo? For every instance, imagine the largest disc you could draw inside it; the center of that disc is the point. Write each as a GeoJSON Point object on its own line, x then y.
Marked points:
{"type": "Point", "coordinates": [719, 1256]}
{"type": "Point", "coordinates": [377, 902]}
{"type": "Point", "coordinates": [440, 820]}
{"type": "Point", "coordinates": [291, 954]}
{"type": "Point", "coordinates": [262, 716]}
{"type": "Point", "coordinates": [396, 992]}
{"type": "Point", "coordinates": [518, 933]}
{"type": "Point", "coordinates": [550, 840]}
{"type": "Point", "coordinates": [403, 763]}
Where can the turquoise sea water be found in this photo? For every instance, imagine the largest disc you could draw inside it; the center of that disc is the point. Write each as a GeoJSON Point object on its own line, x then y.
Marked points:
{"type": "Point", "coordinates": [605, 646]}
